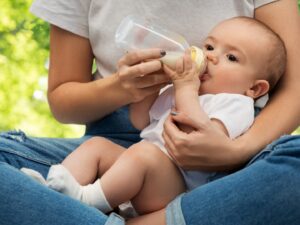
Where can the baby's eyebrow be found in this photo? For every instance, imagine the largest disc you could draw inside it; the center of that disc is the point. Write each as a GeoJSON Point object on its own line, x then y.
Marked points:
{"type": "Point", "coordinates": [237, 49]}
{"type": "Point", "coordinates": [210, 38]}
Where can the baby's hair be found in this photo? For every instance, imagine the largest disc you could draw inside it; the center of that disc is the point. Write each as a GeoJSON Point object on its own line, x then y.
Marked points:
{"type": "Point", "coordinates": [276, 64]}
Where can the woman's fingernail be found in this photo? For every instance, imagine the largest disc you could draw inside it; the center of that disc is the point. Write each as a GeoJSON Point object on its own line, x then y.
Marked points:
{"type": "Point", "coordinates": [174, 113]}
{"type": "Point", "coordinates": [162, 53]}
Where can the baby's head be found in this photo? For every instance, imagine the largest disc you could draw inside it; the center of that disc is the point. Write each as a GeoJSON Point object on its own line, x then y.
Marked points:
{"type": "Point", "coordinates": [244, 56]}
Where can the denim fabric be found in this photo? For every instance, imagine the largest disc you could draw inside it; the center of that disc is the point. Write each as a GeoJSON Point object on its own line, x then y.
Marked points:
{"type": "Point", "coordinates": [19, 150]}
{"type": "Point", "coordinates": [174, 213]}
{"type": "Point", "coordinates": [115, 219]}
{"type": "Point", "coordinates": [265, 192]}
{"type": "Point", "coordinates": [24, 201]}
{"type": "Point", "coordinates": [117, 127]}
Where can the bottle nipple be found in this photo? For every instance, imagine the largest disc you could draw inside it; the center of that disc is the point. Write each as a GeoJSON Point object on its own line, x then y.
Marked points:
{"type": "Point", "coordinates": [199, 58]}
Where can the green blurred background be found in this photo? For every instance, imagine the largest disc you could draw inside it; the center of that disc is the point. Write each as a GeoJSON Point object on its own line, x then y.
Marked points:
{"type": "Point", "coordinates": [24, 45]}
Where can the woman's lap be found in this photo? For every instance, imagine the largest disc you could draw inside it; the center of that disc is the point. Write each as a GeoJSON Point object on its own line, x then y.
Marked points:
{"type": "Point", "coordinates": [22, 199]}
{"type": "Point", "coordinates": [266, 191]}
{"type": "Point", "coordinates": [19, 150]}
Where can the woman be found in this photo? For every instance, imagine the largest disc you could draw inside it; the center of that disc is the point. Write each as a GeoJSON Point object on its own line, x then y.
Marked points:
{"type": "Point", "coordinates": [82, 31]}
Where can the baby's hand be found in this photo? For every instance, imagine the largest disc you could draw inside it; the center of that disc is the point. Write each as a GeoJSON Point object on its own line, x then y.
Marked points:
{"type": "Point", "coordinates": [185, 73]}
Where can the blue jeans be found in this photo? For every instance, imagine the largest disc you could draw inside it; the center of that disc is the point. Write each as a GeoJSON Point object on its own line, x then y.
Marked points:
{"type": "Point", "coordinates": [266, 191]}
{"type": "Point", "coordinates": [24, 201]}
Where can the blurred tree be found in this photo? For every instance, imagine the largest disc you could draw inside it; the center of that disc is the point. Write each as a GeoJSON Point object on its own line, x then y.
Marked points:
{"type": "Point", "coordinates": [24, 46]}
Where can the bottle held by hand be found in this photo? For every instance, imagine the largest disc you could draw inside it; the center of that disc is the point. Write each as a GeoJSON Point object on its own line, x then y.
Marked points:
{"type": "Point", "coordinates": [136, 33]}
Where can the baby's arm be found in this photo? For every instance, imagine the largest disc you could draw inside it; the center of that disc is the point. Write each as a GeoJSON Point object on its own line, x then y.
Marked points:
{"type": "Point", "coordinates": [139, 112]}
{"type": "Point", "coordinates": [186, 84]}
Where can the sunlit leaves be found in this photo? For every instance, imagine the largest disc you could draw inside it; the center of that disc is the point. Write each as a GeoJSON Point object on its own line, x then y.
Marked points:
{"type": "Point", "coordinates": [24, 49]}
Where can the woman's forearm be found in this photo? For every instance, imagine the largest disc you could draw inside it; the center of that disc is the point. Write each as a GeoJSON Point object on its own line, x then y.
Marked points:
{"type": "Point", "coordinates": [281, 116]}
{"type": "Point", "coordinates": [72, 94]}
{"type": "Point", "coordinates": [75, 102]}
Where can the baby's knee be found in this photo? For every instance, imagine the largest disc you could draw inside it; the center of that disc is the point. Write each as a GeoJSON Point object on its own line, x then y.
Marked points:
{"type": "Point", "coordinates": [96, 146]}
{"type": "Point", "coordinates": [146, 153]}
{"type": "Point", "coordinates": [96, 141]}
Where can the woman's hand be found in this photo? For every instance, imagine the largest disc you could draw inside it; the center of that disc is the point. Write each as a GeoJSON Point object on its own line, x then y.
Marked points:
{"type": "Point", "coordinates": [140, 73]}
{"type": "Point", "coordinates": [205, 148]}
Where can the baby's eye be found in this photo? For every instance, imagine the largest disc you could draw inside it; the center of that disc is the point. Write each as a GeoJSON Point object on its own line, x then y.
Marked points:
{"type": "Point", "coordinates": [232, 58]}
{"type": "Point", "coordinates": [209, 47]}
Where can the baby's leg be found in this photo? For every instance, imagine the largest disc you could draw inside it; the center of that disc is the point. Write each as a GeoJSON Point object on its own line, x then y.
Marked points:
{"type": "Point", "coordinates": [144, 175]}
{"type": "Point", "coordinates": [82, 167]}
{"type": "Point", "coordinates": [91, 159]}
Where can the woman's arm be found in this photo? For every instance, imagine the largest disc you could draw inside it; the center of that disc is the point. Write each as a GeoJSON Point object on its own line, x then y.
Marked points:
{"type": "Point", "coordinates": [73, 95]}
{"type": "Point", "coordinates": [139, 112]}
{"type": "Point", "coordinates": [284, 108]}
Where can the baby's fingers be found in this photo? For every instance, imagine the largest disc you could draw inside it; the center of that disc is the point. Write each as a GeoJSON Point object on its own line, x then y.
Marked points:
{"type": "Point", "coordinates": [180, 67]}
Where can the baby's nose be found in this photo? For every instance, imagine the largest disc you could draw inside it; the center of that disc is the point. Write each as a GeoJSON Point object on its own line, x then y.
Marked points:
{"type": "Point", "coordinates": [211, 57]}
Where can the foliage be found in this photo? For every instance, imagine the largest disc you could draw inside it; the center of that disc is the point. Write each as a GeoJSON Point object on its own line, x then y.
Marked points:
{"type": "Point", "coordinates": [24, 46]}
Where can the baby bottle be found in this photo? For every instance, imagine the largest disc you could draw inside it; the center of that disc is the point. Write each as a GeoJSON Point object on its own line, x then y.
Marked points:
{"type": "Point", "coordinates": [136, 33]}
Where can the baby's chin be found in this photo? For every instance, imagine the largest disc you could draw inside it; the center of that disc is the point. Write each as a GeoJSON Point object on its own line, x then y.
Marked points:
{"type": "Point", "coordinates": [202, 91]}
{"type": "Point", "coordinates": [207, 88]}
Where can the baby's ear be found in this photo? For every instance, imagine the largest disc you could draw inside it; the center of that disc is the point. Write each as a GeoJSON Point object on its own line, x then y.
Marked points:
{"type": "Point", "coordinates": [259, 88]}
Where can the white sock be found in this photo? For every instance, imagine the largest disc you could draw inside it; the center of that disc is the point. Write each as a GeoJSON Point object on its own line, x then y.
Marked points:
{"type": "Point", "coordinates": [34, 175]}
{"type": "Point", "coordinates": [93, 195]}
{"type": "Point", "coordinates": [61, 180]}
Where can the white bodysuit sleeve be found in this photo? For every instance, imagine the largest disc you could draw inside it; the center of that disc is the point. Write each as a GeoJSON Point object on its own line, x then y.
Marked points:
{"type": "Point", "coordinates": [164, 102]}
{"type": "Point", "coordinates": [235, 111]}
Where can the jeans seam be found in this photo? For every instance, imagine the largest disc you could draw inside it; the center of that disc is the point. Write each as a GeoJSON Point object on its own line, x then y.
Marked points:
{"type": "Point", "coordinates": [280, 143]}
{"type": "Point", "coordinates": [47, 163]}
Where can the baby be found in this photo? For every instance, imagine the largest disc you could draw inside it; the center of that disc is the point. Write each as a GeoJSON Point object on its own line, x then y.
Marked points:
{"type": "Point", "coordinates": [245, 59]}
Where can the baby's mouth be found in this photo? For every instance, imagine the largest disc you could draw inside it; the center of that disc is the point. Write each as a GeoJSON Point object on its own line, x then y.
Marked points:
{"type": "Point", "coordinates": [205, 76]}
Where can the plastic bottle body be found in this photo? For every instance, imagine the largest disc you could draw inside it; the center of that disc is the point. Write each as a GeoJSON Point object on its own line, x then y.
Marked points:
{"type": "Point", "coordinates": [136, 33]}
